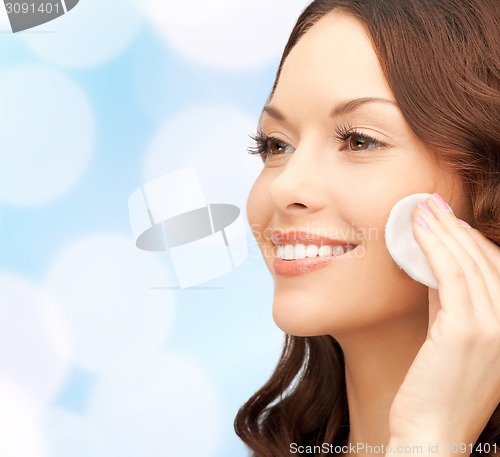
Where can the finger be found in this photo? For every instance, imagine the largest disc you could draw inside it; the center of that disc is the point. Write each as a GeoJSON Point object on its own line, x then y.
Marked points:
{"type": "Point", "coordinates": [461, 267]}
{"type": "Point", "coordinates": [492, 267]}
{"type": "Point", "coordinates": [488, 247]}
{"type": "Point", "coordinates": [481, 254]}
{"type": "Point", "coordinates": [488, 254]}
{"type": "Point", "coordinates": [453, 289]}
{"type": "Point", "coordinates": [458, 269]}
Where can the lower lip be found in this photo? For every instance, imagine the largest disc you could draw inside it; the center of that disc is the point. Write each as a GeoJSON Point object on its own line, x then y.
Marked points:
{"type": "Point", "coordinates": [302, 266]}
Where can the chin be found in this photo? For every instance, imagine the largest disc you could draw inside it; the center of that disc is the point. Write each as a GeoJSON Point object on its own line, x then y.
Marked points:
{"type": "Point", "coordinates": [307, 312]}
{"type": "Point", "coordinates": [307, 316]}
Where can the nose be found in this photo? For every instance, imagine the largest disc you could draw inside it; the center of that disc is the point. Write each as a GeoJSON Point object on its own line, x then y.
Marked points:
{"type": "Point", "coordinates": [301, 186]}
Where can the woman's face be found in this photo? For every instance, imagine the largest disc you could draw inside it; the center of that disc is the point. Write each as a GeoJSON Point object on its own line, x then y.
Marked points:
{"type": "Point", "coordinates": [338, 155]}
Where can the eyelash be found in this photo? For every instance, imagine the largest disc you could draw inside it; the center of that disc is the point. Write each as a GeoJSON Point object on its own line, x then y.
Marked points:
{"type": "Point", "coordinates": [342, 135]}
{"type": "Point", "coordinates": [263, 143]}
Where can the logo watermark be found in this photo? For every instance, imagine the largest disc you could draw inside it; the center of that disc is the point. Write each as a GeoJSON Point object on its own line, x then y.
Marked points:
{"type": "Point", "coordinates": [204, 240]}
{"type": "Point", "coordinates": [24, 15]}
{"type": "Point", "coordinates": [344, 235]}
{"type": "Point", "coordinates": [448, 448]}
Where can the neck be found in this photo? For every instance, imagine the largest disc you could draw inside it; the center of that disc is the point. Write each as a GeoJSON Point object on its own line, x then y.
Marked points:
{"type": "Point", "coordinates": [376, 362]}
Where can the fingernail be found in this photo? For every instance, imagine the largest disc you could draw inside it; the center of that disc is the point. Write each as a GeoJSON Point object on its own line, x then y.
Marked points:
{"type": "Point", "coordinates": [464, 224]}
{"type": "Point", "coordinates": [440, 203]}
{"type": "Point", "coordinates": [422, 223]}
{"type": "Point", "coordinates": [423, 206]}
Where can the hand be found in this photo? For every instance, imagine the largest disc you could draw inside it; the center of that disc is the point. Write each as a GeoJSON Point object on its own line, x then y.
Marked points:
{"type": "Point", "coordinates": [453, 385]}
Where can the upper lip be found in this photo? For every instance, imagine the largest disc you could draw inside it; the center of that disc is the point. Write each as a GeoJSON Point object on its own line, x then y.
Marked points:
{"type": "Point", "coordinates": [280, 237]}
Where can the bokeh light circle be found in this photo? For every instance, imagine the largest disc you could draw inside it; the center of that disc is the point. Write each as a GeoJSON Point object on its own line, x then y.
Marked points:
{"type": "Point", "coordinates": [4, 18]}
{"type": "Point", "coordinates": [196, 12]}
{"type": "Point", "coordinates": [70, 434]}
{"type": "Point", "coordinates": [35, 343]}
{"type": "Point", "coordinates": [103, 284]}
{"type": "Point", "coordinates": [213, 139]}
{"type": "Point", "coordinates": [234, 35]}
{"type": "Point", "coordinates": [92, 33]}
{"type": "Point", "coordinates": [46, 134]}
{"type": "Point", "coordinates": [20, 430]}
{"type": "Point", "coordinates": [152, 403]}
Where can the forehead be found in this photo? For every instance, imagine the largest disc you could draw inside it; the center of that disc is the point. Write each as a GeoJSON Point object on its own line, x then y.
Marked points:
{"type": "Point", "coordinates": [333, 61]}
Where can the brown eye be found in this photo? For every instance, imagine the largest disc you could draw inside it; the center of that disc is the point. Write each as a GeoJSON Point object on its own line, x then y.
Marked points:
{"type": "Point", "coordinates": [358, 142]}
{"type": "Point", "coordinates": [269, 148]}
{"type": "Point", "coordinates": [276, 147]}
{"type": "Point", "coordinates": [354, 141]}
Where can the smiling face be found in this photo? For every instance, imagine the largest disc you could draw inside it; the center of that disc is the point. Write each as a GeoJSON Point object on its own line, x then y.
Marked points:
{"type": "Point", "coordinates": [338, 155]}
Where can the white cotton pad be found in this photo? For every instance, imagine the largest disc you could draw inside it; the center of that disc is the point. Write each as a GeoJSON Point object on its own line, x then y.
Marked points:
{"type": "Point", "coordinates": [402, 245]}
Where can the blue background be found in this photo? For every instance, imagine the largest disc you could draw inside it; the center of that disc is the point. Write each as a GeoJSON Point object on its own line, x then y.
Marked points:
{"type": "Point", "coordinates": [100, 355]}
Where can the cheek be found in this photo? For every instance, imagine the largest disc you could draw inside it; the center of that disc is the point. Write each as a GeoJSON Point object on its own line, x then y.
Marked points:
{"type": "Point", "coordinates": [379, 186]}
{"type": "Point", "coordinates": [451, 189]}
{"type": "Point", "coordinates": [365, 210]}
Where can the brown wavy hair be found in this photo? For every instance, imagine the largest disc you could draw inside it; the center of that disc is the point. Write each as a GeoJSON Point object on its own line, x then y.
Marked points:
{"type": "Point", "coordinates": [441, 59]}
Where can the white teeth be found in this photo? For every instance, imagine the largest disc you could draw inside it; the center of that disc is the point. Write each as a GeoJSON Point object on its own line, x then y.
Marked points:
{"type": "Point", "coordinates": [312, 250]}
{"type": "Point", "coordinates": [289, 252]}
{"type": "Point", "coordinates": [301, 251]}
{"type": "Point", "coordinates": [338, 250]}
{"type": "Point", "coordinates": [325, 251]}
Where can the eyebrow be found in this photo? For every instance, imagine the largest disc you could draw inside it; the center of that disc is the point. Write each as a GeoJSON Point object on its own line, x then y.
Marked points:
{"type": "Point", "coordinates": [341, 109]}
{"type": "Point", "coordinates": [352, 105]}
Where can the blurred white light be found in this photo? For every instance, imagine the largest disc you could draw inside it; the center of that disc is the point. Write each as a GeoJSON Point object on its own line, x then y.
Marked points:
{"type": "Point", "coordinates": [193, 13]}
{"type": "Point", "coordinates": [68, 434]}
{"type": "Point", "coordinates": [103, 285]}
{"type": "Point", "coordinates": [46, 134]}
{"type": "Point", "coordinates": [227, 34]}
{"type": "Point", "coordinates": [213, 139]}
{"type": "Point", "coordinates": [157, 405]}
{"type": "Point", "coordinates": [4, 19]}
{"type": "Point", "coordinates": [20, 431]}
{"type": "Point", "coordinates": [91, 34]}
{"type": "Point", "coordinates": [35, 344]}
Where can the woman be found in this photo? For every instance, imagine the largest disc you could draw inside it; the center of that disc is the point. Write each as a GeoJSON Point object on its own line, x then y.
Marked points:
{"type": "Point", "coordinates": [373, 101]}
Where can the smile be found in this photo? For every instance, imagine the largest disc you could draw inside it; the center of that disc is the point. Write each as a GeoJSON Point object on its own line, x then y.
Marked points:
{"type": "Point", "coordinates": [300, 252]}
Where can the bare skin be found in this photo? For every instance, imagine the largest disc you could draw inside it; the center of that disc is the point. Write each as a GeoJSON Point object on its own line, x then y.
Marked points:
{"type": "Point", "coordinates": [421, 366]}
